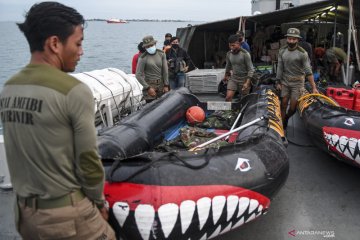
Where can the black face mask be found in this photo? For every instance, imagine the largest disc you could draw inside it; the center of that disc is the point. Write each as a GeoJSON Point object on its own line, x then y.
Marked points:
{"type": "Point", "coordinates": [292, 45]}
{"type": "Point", "coordinates": [175, 46]}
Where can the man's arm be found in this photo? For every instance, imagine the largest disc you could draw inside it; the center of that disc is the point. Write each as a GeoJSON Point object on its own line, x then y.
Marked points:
{"type": "Point", "coordinates": [88, 167]}
{"type": "Point", "coordinates": [228, 67]}
{"type": "Point", "coordinates": [164, 70]}
{"type": "Point", "coordinates": [140, 72]}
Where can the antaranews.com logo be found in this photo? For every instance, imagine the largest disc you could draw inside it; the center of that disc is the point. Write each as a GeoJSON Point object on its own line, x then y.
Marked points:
{"type": "Point", "coordinates": [323, 233]}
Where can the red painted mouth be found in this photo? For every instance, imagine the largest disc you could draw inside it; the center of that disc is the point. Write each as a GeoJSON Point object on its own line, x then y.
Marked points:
{"type": "Point", "coordinates": [135, 194]}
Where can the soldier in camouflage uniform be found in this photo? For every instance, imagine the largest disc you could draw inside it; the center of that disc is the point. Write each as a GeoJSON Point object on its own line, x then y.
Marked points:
{"type": "Point", "coordinates": [152, 70]}
{"type": "Point", "coordinates": [293, 68]}
{"type": "Point", "coordinates": [239, 69]}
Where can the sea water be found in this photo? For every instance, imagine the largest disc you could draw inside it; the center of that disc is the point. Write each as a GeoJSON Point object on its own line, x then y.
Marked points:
{"type": "Point", "coordinates": [105, 45]}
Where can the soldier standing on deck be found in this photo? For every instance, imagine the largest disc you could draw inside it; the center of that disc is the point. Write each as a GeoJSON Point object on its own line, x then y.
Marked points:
{"type": "Point", "coordinates": [49, 133]}
{"type": "Point", "coordinates": [152, 70]}
{"type": "Point", "coordinates": [238, 70]}
{"type": "Point", "coordinates": [293, 67]}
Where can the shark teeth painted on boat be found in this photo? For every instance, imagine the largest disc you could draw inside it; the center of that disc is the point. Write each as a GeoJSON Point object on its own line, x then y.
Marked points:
{"type": "Point", "coordinates": [345, 145]}
{"type": "Point", "coordinates": [208, 212]}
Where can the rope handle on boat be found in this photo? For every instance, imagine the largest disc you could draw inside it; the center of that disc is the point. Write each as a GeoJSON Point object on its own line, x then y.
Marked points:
{"type": "Point", "coordinates": [327, 99]}
{"type": "Point", "coordinates": [226, 134]}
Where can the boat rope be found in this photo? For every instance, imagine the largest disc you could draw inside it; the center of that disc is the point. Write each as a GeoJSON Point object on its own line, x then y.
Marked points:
{"type": "Point", "coordinates": [166, 157]}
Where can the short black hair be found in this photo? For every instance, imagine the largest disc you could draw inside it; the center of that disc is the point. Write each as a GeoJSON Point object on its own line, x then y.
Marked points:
{"type": "Point", "coordinates": [47, 19]}
{"type": "Point", "coordinates": [140, 47]}
{"type": "Point", "coordinates": [168, 35]}
{"type": "Point", "coordinates": [174, 38]}
{"type": "Point", "coordinates": [233, 38]}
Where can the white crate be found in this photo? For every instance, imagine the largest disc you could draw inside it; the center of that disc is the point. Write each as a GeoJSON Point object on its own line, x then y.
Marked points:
{"type": "Point", "coordinates": [204, 80]}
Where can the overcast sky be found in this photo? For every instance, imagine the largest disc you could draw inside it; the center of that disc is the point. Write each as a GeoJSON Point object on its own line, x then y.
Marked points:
{"type": "Point", "coordinates": [199, 10]}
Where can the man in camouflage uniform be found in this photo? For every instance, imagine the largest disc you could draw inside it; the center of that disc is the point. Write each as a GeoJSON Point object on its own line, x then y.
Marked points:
{"type": "Point", "coordinates": [152, 70]}
{"type": "Point", "coordinates": [238, 70]}
{"type": "Point", "coordinates": [333, 59]}
{"type": "Point", "coordinates": [293, 68]}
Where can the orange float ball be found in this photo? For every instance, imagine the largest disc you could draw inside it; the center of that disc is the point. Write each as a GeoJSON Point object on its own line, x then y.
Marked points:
{"type": "Point", "coordinates": [195, 114]}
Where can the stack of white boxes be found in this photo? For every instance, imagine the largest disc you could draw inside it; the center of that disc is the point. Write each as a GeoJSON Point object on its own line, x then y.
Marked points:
{"type": "Point", "coordinates": [204, 80]}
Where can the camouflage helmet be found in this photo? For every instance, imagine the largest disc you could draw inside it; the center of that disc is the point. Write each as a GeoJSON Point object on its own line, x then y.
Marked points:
{"type": "Point", "coordinates": [293, 32]}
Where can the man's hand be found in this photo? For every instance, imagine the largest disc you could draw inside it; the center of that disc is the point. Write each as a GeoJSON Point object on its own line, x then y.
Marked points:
{"type": "Point", "coordinates": [314, 90]}
{"type": "Point", "coordinates": [226, 78]}
{"type": "Point", "coordinates": [166, 89]}
{"type": "Point", "coordinates": [151, 92]}
{"type": "Point", "coordinates": [278, 86]}
{"type": "Point", "coordinates": [104, 213]}
{"type": "Point", "coordinates": [246, 85]}
{"type": "Point", "coordinates": [186, 68]}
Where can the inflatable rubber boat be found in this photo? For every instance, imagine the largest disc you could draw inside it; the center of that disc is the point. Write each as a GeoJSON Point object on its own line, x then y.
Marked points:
{"type": "Point", "coordinates": [333, 121]}
{"type": "Point", "coordinates": [196, 193]}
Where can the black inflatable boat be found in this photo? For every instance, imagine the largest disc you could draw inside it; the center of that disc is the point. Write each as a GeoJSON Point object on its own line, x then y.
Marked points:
{"type": "Point", "coordinates": [197, 194]}
{"type": "Point", "coordinates": [332, 125]}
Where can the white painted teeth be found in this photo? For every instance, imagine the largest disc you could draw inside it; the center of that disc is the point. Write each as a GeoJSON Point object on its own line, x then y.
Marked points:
{"type": "Point", "coordinates": [343, 142]}
{"type": "Point", "coordinates": [168, 214]}
{"type": "Point", "coordinates": [218, 204]}
{"type": "Point", "coordinates": [121, 211]}
{"type": "Point", "coordinates": [252, 217]}
{"type": "Point", "coordinates": [350, 147]}
{"type": "Point", "coordinates": [334, 139]}
{"type": "Point", "coordinates": [144, 217]}
{"type": "Point", "coordinates": [243, 205]}
{"type": "Point", "coordinates": [232, 203]}
{"type": "Point", "coordinates": [239, 223]}
{"type": "Point", "coordinates": [253, 205]}
{"type": "Point", "coordinates": [203, 208]}
{"type": "Point", "coordinates": [187, 209]}
{"type": "Point", "coordinates": [216, 233]}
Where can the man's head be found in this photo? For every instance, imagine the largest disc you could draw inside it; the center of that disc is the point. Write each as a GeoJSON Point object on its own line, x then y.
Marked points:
{"type": "Point", "coordinates": [292, 36]}
{"type": "Point", "coordinates": [174, 42]}
{"type": "Point", "coordinates": [56, 29]}
{"type": "Point", "coordinates": [168, 36]}
{"type": "Point", "coordinates": [140, 47]}
{"type": "Point", "coordinates": [241, 35]}
{"type": "Point", "coordinates": [234, 43]}
{"type": "Point", "coordinates": [149, 44]}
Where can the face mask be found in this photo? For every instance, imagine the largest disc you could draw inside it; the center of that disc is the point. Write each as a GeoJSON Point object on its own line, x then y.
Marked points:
{"type": "Point", "coordinates": [292, 45]}
{"type": "Point", "coordinates": [175, 46]}
{"type": "Point", "coordinates": [151, 50]}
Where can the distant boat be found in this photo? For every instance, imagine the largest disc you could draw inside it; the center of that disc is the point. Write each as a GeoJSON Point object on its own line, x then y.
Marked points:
{"type": "Point", "coordinates": [116, 20]}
